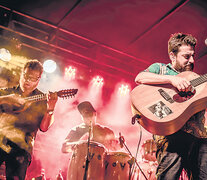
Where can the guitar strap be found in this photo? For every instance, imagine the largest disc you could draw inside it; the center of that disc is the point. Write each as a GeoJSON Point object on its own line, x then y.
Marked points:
{"type": "Point", "coordinates": [163, 69]}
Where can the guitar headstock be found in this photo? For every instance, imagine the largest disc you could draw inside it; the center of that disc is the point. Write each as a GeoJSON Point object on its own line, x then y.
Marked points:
{"type": "Point", "coordinates": [67, 93]}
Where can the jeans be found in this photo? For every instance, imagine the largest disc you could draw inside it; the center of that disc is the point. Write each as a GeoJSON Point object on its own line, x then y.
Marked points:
{"type": "Point", "coordinates": [182, 150]}
{"type": "Point", "coordinates": [16, 163]}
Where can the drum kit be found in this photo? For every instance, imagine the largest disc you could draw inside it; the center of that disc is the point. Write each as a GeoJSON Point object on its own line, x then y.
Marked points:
{"type": "Point", "coordinates": [104, 165]}
{"type": "Point", "coordinates": [96, 165]}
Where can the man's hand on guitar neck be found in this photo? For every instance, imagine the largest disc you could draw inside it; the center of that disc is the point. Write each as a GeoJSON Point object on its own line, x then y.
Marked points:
{"type": "Point", "coordinates": [48, 118]}
{"type": "Point", "coordinates": [51, 100]}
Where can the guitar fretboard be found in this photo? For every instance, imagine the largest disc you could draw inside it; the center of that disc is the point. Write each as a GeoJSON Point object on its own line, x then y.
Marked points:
{"type": "Point", "coordinates": [199, 80]}
{"type": "Point", "coordinates": [62, 94]}
{"type": "Point", "coordinates": [38, 97]}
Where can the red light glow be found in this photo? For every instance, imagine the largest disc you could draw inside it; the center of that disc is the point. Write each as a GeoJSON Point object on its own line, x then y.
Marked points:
{"type": "Point", "coordinates": [123, 90]}
{"type": "Point", "coordinates": [70, 72]}
{"type": "Point", "coordinates": [98, 81]}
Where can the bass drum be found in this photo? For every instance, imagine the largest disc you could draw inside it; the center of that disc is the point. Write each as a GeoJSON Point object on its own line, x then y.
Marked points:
{"type": "Point", "coordinates": [96, 168]}
{"type": "Point", "coordinates": [118, 166]}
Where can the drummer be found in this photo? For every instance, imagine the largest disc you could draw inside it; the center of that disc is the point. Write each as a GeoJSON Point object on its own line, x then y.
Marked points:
{"type": "Point", "coordinates": [99, 133]}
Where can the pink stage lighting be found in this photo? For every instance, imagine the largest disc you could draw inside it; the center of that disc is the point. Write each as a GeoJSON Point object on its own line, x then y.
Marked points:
{"type": "Point", "coordinates": [123, 90]}
{"type": "Point", "coordinates": [70, 72]}
{"type": "Point", "coordinates": [97, 81]}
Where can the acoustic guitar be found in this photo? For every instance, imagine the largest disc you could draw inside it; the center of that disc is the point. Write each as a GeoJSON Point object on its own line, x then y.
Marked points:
{"type": "Point", "coordinates": [4, 136]}
{"type": "Point", "coordinates": [41, 97]}
{"type": "Point", "coordinates": [163, 110]}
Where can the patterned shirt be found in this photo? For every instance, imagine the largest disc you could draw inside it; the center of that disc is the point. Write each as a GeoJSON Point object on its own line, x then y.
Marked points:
{"type": "Point", "coordinates": [195, 125]}
{"type": "Point", "coordinates": [20, 128]}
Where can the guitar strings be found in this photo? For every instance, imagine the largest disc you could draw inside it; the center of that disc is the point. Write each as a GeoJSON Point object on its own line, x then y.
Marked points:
{"type": "Point", "coordinates": [36, 97]}
{"type": "Point", "coordinates": [199, 80]}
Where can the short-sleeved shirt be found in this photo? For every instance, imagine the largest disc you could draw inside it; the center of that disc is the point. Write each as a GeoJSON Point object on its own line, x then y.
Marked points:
{"type": "Point", "coordinates": [101, 134]}
{"type": "Point", "coordinates": [195, 125]}
{"type": "Point", "coordinates": [20, 128]}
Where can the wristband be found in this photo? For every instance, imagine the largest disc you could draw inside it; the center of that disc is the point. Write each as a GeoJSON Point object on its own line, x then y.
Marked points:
{"type": "Point", "coordinates": [50, 112]}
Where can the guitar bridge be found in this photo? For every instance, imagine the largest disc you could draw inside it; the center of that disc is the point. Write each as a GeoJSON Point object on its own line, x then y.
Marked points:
{"type": "Point", "coordinates": [165, 95]}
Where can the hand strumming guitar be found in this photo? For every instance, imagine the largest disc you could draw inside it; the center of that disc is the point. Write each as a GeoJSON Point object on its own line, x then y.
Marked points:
{"type": "Point", "coordinates": [13, 99]}
{"type": "Point", "coordinates": [182, 84]}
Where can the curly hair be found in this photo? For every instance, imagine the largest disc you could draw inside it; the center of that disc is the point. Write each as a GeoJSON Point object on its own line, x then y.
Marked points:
{"type": "Point", "coordinates": [178, 39]}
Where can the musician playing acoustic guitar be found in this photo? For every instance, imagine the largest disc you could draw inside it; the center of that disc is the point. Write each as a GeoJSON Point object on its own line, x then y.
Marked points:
{"type": "Point", "coordinates": [19, 125]}
{"type": "Point", "coordinates": [186, 148]}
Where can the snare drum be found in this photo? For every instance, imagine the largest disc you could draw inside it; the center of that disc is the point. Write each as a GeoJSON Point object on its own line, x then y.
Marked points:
{"type": "Point", "coordinates": [149, 148]}
{"type": "Point", "coordinates": [96, 168]}
{"type": "Point", "coordinates": [118, 166]}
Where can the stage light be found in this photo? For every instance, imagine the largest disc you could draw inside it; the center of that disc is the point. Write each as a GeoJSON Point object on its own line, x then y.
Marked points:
{"type": "Point", "coordinates": [16, 43]}
{"type": "Point", "coordinates": [70, 72]}
{"type": "Point", "coordinates": [49, 66]}
{"type": "Point", "coordinates": [123, 90]}
{"type": "Point", "coordinates": [206, 41]}
{"type": "Point", "coordinates": [97, 81]}
{"type": "Point", "coordinates": [5, 55]}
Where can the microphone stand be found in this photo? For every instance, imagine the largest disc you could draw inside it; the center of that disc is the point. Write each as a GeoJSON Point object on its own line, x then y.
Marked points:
{"type": "Point", "coordinates": [88, 151]}
{"type": "Point", "coordinates": [122, 141]}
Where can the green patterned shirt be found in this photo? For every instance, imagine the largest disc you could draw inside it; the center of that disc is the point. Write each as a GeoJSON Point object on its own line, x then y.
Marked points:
{"type": "Point", "coordinates": [195, 125]}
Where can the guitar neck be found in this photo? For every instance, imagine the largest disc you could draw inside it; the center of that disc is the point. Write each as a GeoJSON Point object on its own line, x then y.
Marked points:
{"type": "Point", "coordinates": [39, 97]}
{"type": "Point", "coordinates": [62, 94]}
{"type": "Point", "coordinates": [199, 80]}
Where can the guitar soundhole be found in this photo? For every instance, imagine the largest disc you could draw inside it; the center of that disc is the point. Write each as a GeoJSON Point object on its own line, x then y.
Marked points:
{"type": "Point", "coordinates": [183, 96]}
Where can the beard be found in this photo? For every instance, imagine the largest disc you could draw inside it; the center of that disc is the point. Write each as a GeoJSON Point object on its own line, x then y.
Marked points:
{"type": "Point", "coordinates": [187, 67]}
